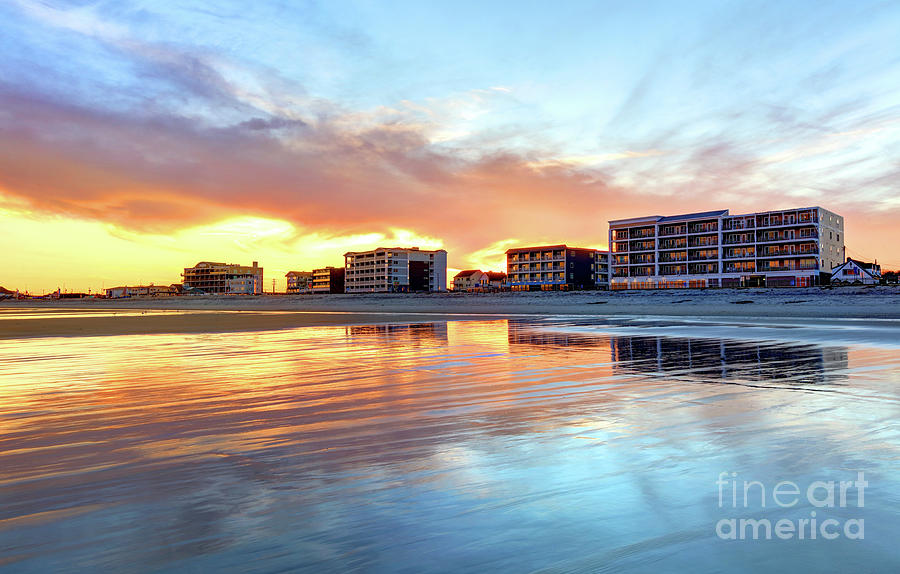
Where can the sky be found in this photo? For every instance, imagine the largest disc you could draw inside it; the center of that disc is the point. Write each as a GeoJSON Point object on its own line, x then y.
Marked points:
{"type": "Point", "coordinates": [140, 137]}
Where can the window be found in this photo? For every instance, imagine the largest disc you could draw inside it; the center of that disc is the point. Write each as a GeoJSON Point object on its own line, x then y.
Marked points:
{"type": "Point", "coordinates": [571, 276]}
{"type": "Point", "coordinates": [571, 266]}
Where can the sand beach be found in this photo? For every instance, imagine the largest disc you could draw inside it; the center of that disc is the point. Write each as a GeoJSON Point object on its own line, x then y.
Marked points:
{"type": "Point", "coordinates": [198, 314]}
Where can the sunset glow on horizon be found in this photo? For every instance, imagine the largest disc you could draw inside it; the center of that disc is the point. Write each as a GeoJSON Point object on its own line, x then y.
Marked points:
{"type": "Point", "coordinates": [138, 138]}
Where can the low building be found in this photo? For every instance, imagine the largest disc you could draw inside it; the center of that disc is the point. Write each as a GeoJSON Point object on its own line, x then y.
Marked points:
{"type": "Point", "coordinates": [496, 280]}
{"type": "Point", "coordinates": [477, 280]}
{"type": "Point", "coordinates": [856, 272]}
{"type": "Point", "coordinates": [299, 282]}
{"type": "Point", "coordinates": [328, 280]}
{"type": "Point", "coordinates": [396, 270]}
{"type": "Point", "coordinates": [550, 267]}
{"type": "Point", "coordinates": [468, 280]}
{"type": "Point", "coordinates": [141, 291]}
{"type": "Point", "coordinates": [795, 247]}
{"type": "Point", "coordinates": [224, 278]}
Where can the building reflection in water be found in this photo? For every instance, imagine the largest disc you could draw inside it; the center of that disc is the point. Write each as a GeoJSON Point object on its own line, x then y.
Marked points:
{"type": "Point", "coordinates": [402, 334]}
{"type": "Point", "coordinates": [703, 358]}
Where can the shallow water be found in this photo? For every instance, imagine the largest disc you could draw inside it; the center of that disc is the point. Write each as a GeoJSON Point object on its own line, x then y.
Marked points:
{"type": "Point", "coordinates": [558, 445]}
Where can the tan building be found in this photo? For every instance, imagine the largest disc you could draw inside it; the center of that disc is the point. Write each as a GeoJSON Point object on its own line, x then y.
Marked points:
{"type": "Point", "coordinates": [224, 278]}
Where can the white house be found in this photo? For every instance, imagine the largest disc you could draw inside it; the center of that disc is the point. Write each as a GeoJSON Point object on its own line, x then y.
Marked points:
{"type": "Point", "coordinates": [853, 271]}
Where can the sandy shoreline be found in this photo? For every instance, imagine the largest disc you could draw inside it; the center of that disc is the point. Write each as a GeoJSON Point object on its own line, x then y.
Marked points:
{"type": "Point", "coordinates": [267, 312]}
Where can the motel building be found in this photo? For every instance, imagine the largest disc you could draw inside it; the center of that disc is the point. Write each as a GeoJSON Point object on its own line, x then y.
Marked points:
{"type": "Point", "coordinates": [224, 278]}
{"type": "Point", "coordinates": [395, 270]}
{"type": "Point", "coordinates": [856, 273]}
{"type": "Point", "coordinates": [553, 268]}
{"type": "Point", "coordinates": [786, 248]}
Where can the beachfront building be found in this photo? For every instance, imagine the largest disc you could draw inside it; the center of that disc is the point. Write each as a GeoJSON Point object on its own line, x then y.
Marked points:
{"type": "Point", "coordinates": [856, 272]}
{"type": "Point", "coordinates": [785, 248]}
{"type": "Point", "coordinates": [395, 269]}
{"type": "Point", "coordinates": [328, 280]}
{"type": "Point", "coordinates": [298, 282]}
{"type": "Point", "coordinates": [496, 280]}
{"type": "Point", "coordinates": [550, 268]}
{"type": "Point", "coordinates": [141, 291]}
{"type": "Point", "coordinates": [468, 280]}
{"type": "Point", "coordinates": [477, 280]}
{"type": "Point", "coordinates": [224, 278]}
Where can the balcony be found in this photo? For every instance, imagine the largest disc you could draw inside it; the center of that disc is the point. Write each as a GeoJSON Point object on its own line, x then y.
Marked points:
{"type": "Point", "coordinates": [642, 246]}
{"type": "Point", "coordinates": [789, 250]}
{"type": "Point", "coordinates": [703, 241]}
{"type": "Point", "coordinates": [708, 227]}
{"type": "Point", "coordinates": [669, 230]}
{"type": "Point", "coordinates": [641, 260]}
{"type": "Point", "coordinates": [789, 235]}
{"type": "Point", "coordinates": [641, 233]}
{"type": "Point", "coordinates": [788, 266]}
{"type": "Point", "coordinates": [673, 244]}
{"type": "Point", "coordinates": [787, 219]}
{"type": "Point", "coordinates": [738, 224]}
{"type": "Point", "coordinates": [641, 271]}
{"type": "Point", "coordinates": [740, 253]}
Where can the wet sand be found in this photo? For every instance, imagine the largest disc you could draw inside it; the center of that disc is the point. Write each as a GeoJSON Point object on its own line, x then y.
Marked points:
{"type": "Point", "coordinates": [550, 445]}
{"type": "Point", "coordinates": [268, 312]}
{"type": "Point", "coordinates": [52, 323]}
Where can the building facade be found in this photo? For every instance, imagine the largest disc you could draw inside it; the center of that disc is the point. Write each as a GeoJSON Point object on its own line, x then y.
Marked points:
{"type": "Point", "coordinates": [469, 279]}
{"type": "Point", "coordinates": [224, 278]}
{"type": "Point", "coordinates": [395, 269]}
{"type": "Point", "coordinates": [298, 282]}
{"type": "Point", "coordinates": [496, 280]}
{"type": "Point", "coordinates": [328, 280]}
{"type": "Point", "coordinates": [784, 248]}
{"type": "Point", "coordinates": [550, 267]}
{"type": "Point", "coordinates": [477, 280]}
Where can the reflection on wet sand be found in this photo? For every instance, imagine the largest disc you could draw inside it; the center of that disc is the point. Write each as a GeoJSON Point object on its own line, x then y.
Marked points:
{"type": "Point", "coordinates": [716, 359]}
{"type": "Point", "coordinates": [436, 446]}
{"type": "Point", "coordinates": [400, 333]}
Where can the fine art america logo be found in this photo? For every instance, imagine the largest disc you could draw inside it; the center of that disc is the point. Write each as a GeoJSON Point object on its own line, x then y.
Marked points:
{"type": "Point", "coordinates": [814, 503]}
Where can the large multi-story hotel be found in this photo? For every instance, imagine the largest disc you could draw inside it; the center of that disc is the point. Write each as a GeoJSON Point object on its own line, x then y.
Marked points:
{"type": "Point", "coordinates": [328, 280]}
{"type": "Point", "coordinates": [395, 269]}
{"type": "Point", "coordinates": [224, 278]}
{"type": "Point", "coordinates": [785, 248]}
{"type": "Point", "coordinates": [552, 267]}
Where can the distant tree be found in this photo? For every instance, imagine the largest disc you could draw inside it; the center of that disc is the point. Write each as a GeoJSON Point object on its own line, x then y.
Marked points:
{"type": "Point", "coordinates": [890, 276]}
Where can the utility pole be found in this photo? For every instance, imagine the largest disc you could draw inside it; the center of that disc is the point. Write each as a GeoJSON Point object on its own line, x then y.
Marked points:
{"type": "Point", "coordinates": [273, 285]}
